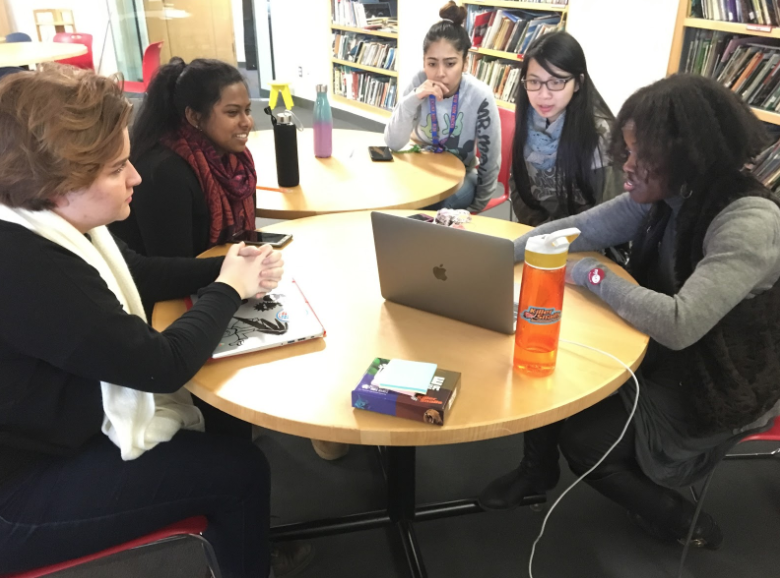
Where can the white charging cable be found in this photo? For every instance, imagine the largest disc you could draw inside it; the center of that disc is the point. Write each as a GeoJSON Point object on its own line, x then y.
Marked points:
{"type": "Point", "coordinates": [598, 463]}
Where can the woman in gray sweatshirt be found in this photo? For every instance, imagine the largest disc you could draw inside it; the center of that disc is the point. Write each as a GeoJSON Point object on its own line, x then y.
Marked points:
{"type": "Point", "coordinates": [706, 253]}
{"type": "Point", "coordinates": [447, 111]}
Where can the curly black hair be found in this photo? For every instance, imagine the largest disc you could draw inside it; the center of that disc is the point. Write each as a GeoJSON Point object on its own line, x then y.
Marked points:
{"type": "Point", "coordinates": [690, 130]}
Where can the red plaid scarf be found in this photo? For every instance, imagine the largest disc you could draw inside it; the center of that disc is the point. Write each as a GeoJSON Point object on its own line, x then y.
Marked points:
{"type": "Point", "coordinates": [228, 182]}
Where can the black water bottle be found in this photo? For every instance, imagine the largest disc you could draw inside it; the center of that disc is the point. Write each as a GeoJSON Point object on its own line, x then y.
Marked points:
{"type": "Point", "coordinates": [286, 142]}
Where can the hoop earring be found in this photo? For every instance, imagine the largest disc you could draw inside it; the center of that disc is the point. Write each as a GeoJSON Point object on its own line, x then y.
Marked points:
{"type": "Point", "coordinates": [685, 193]}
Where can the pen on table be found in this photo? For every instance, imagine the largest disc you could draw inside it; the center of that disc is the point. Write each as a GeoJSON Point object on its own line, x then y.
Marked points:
{"type": "Point", "coordinates": [259, 188]}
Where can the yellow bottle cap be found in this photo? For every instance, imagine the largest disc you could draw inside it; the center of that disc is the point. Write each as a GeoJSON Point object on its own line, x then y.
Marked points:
{"type": "Point", "coordinates": [550, 251]}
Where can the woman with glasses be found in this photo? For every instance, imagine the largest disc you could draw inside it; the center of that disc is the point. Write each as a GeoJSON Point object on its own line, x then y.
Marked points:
{"type": "Point", "coordinates": [560, 165]}
{"type": "Point", "coordinates": [445, 111]}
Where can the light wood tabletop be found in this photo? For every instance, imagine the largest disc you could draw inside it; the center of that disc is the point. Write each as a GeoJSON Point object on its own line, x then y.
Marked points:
{"type": "Point", "coordinates": [304, 389]}
{"type": "Point", "coordinates": [28, 53]}
{"type": "Point", "coordinates": [349, 180]}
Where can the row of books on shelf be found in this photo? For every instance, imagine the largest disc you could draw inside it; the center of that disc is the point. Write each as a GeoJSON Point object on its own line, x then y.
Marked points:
{"type": "Point", "coordinates": [749, 66]}
{"type": "Point", "coordinates": [508, 30]}
{"type": "Point", "coordinates": [364, 50]}
{"type": "Point", "coordinates": [764, 12]}
{"type": "Point", "coordinates": [375, 15]}
{"type": "Point", "coordinates": [501, 77]}
{"type": "Point", "coordinates": [365, 87]}
{"type": "Point", "coordinates": [766, 167]}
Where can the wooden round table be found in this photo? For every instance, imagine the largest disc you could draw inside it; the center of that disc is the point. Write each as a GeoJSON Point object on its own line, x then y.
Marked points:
{"type": "Point", "coordinates": [349, 180]}
{"type": "Point", "coordinates": [304, 389]}
{"type": "Point", "coordinates": [30, 53]}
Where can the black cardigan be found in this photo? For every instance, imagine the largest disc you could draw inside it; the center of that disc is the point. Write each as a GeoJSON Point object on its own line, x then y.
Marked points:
{"type": "Point", "coordinates": [62, 332]}
{"type": "Point", "coordinates": [168, 215]}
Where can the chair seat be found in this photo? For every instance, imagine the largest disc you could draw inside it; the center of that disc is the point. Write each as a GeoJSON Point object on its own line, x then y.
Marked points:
{"type": "Point", "coordinates": [191, 526]}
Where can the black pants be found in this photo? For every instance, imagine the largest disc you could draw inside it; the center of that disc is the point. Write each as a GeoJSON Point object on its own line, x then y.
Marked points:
{"type": "Point", "coordinates": [65, 508]}
{"type": "Point", "coordinates": [583, 439]}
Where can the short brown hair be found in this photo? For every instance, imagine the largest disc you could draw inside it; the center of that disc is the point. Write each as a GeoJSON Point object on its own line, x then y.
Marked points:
{"type": "Point", "coordinates": [59, 127]}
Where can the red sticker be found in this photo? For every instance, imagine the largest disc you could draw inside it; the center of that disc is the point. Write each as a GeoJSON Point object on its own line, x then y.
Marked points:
{"type": "Point", "coordinates": [596, 276]}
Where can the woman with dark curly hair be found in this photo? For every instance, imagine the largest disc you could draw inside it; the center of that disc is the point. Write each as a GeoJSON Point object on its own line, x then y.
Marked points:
{"type": "Point", "coordinates": [706, 254]}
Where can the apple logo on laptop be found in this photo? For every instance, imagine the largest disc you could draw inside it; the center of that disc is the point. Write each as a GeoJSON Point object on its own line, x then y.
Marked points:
{"type": "Point", "coordinates": [440, 272]}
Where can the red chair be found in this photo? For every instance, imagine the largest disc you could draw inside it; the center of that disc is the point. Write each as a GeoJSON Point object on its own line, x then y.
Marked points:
{"type": "Point", "coordinates": [507, 118]}
{"type": "Point", "coordinates": [83, 61]}
{"type": "Point", "coordinates": [150, 65]}
{"type": "Point", "coordinates": [189, 529]}
{"type": "Point", "coordinates": [771, 435]}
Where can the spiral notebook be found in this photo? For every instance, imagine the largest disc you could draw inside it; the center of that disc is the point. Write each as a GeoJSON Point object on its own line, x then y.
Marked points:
{"type": "Point", "coordinates": [282, 317]}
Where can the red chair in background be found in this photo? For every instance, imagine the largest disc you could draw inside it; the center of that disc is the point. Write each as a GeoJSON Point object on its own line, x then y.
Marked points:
{"type": "Point", "coordinates": [150, 65]}
{"type": "Point", "coordinates": [83, 61]}
{"type": "Point", "coordinates": [507, 118]}
{"type": "Point", "coordinates": [189, 529]}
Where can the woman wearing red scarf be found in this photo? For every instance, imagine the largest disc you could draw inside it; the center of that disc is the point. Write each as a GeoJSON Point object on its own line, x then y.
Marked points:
{"type": "Point", "coordinates": [189, 146]}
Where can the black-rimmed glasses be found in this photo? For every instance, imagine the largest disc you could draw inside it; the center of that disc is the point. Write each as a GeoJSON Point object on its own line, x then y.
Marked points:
{"type": "Point", "coordinates": [553, 84]}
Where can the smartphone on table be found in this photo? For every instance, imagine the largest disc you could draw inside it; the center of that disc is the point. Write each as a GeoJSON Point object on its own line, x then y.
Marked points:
{"type": "Point", "coordinates": [380, 154]}
{"type": "Point", "coordinates": [275, 240]}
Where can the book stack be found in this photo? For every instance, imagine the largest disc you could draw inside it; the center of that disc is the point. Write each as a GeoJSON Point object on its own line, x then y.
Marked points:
{"type": "Point", "coordinates": [767, 168]}
{"type": "Point", "coordinates": [417, 391]}
{"type": "Point", "coordinates": [502, 77]}
{"type": "Point", "coordinates": [383, 24]}
{"type": "Point", "coordinates": [747, 65]}
{"type": "Point", "coordinates": [349, 13]}
{"type": "Point", "coordinates": [762, 12]}
{"type": "Point", "coordinates": [364, 50]}
{"type": "Point", "coordinates": [365, 87]}
{"type": "Point", "coordinates": [508, 30]}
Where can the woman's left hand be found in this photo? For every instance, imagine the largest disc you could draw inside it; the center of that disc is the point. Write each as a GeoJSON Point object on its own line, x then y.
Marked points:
{"type": "Point", "coordinates": [577, 269]}
{"type": "Point", "coordinates": [272, 267]}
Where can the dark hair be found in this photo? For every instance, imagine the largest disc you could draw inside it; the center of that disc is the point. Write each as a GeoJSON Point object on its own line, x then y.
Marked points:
{"type": "Point", "coordinates": [579, 137]}
{"type": "Point", "coordinates": [450, 28]}
{"type": "Point", "coordinates": [176, 86]}
{"type": "Point", "coordinates": [689, 129]}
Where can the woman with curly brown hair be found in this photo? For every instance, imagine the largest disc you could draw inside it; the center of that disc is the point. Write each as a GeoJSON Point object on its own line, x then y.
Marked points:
{"type": "Point", "coordinates": [99, 441]}
{"type": "Point", "coordinates": [706, 254]}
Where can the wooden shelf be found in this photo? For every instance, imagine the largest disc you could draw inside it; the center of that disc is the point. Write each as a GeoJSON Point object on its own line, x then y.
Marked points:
{"type": "Point", "coordinates": [498, 54]}
{"type": "Point", "coordinates": [393, 35]}
{"type": "Point", "coordinates": [766, 115]}
{"type": "Point", "coordinates": [519, 5]}
{"type": "Point", "coordinates": [381, 71]}
{"type": "Point", "coordinates": [505, 104]}
{"type": "Point", "coordinates": [733, 27]}
{"type": "Point", "coordinates": [362, 105]}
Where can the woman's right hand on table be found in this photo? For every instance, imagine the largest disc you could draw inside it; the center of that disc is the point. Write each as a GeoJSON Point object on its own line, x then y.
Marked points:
{"type": "Point", "coordinates": [431, 87]}
{"type": "Point", "coordinates": [251, 271]}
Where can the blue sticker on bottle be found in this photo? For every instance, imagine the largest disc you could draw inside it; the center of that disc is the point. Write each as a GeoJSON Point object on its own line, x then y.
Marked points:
{"type": "Point", "coordinates": [542, 315]}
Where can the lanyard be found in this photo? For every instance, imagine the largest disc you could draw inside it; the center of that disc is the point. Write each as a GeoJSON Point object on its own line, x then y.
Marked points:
{"type": "Point", "coordinates": [437, 147]}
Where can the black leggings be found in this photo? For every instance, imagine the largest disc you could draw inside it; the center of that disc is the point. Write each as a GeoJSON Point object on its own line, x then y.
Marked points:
{"type": "Point", "coordinates": [65, 508]}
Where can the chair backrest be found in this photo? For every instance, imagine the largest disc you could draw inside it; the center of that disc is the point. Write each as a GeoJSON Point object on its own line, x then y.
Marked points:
{"type": "Point", "coordinates": [83, 60]}
{"type": "Point", "coordinates": [18, 37]}
{"type": "Point", "coordinates": [771, 435]}
{"type": "Point", "coordinates": [151, 62]}
{"type": "Point", "coordinates": [507, 118]}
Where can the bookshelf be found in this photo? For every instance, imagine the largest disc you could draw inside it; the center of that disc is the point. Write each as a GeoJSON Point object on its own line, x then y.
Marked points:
{"type": "Point", "coordinates": [382, 82]}
{"type": "Point", "coordinates": [498, 63]}
{"type": "Point", "coordinates": [687, 26]}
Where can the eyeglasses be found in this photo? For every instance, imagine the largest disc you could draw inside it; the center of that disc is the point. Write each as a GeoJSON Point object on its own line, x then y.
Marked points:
{"type": "Point", "coordinates": [553, 84]}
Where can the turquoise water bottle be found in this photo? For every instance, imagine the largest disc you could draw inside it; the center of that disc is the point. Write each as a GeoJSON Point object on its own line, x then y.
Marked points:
{"type": "Point", "coordinates": [323, 124]}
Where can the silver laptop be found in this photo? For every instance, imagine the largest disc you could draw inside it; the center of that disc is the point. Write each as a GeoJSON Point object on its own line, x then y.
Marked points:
{"type": "Point", "coordinates": [451, 272]}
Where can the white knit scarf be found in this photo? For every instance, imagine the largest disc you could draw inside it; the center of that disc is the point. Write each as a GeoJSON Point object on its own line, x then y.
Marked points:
{"type": "Point", "coordinates": [134, 420]}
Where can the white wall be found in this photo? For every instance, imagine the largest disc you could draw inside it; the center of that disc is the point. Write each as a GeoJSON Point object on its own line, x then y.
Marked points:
{"type": "Point", "coordinates": [238, 29]}
{"type": "Point", "coordinates": [91, 16]}
{"type": "Point", "coordinates": [627, 43]}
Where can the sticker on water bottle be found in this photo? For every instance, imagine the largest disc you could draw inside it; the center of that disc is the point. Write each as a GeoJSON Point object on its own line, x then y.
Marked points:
{"type": "Point", "coordinates": [542, 315]}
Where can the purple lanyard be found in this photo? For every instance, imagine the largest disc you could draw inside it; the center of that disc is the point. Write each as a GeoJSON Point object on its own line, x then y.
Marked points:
{"type": "Point", "coordinates": [437, 147]}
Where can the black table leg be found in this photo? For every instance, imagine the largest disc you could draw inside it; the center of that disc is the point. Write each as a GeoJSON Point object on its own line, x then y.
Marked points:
{"type": "Point", "coordinates": [401, 503]}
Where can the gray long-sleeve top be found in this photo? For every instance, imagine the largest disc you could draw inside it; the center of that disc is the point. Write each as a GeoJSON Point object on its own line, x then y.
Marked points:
{"type": "Point", "coordinates": [477, 126]}
{"type": "Point", "coordinates": [741, 260]}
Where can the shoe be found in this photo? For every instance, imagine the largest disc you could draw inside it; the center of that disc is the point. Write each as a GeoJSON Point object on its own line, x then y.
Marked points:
{"type": "Point", "coordinates": [289, 559]}
{"type": "Point", "coordinates": [330, 450]}
{"type": "Point", "coordinates": [510, 490]}
{"type": "Point", "coordinates": [706, 535]}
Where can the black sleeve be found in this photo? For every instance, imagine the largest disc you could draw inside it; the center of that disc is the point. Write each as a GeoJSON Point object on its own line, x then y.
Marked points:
{"type": "Point", "coordinates": [163, 208]}
{"type": "Point", "coordinates": [163, 278]}
{"type": "Point", "coordinates": [58, 309]}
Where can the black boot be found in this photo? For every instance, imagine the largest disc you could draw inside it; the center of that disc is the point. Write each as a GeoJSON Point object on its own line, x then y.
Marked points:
{"type": "Point", "coordinates": [538, 472]}
{"type": "Point", "coordinates": [661, 512]}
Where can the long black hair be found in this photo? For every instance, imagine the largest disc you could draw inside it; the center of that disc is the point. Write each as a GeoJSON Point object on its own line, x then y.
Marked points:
{"type": "Point", "coordinates": [450, 28]}
{"type": "Point", "coordinates": [177, 86]}
{"type": "Point", "coordinates": [579, 137]}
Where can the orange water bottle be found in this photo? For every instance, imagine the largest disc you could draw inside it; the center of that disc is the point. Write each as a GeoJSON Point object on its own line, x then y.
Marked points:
{"type": "Point", "coordinates": [541, 300]}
